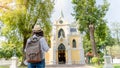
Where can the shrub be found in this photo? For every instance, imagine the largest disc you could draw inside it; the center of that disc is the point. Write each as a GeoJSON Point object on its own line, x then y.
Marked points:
{"type": "Point", "coordinates": [95, 60]}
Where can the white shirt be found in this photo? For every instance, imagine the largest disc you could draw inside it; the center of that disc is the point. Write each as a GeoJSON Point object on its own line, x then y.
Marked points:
{"type": "Point", "coordinates": [44, 45]}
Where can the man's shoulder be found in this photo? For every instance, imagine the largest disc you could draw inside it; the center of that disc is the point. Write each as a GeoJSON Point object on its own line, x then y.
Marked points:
{"type": "Point", "coordinates": [28, 39]}
{"type": "Point", "coordinates": [42, 38]}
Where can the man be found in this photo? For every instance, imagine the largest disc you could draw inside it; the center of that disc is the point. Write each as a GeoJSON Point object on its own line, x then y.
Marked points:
{"type": "Point", "coordinates": [38, 32]}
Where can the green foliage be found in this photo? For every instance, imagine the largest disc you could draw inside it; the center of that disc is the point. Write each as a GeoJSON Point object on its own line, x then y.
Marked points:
{"type": "Point", "coordinates": [87, 45]}
{"type": "Point", "coordinates": [87, 13]}
{"type": "Point", "coordinates": [95, 60]}
{"type": "Point", "coordinates": [18, 22]}
{"type": "Point", "coordinates": [24, 18]}
{"type": "Point", "coordinates": [7, 50]}
{"type": "Point", "coordinates": [101, 60]}
{"type": "Point", "coordinates": [101, 42]}
{"type": "Point", "coordinates": [101, 31]}
{"type": "Point", "coordinates": [101, 66]}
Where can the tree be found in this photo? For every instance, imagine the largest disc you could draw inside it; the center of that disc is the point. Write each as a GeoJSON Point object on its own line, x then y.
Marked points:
{"type": "Point", "coordinates": [89, 16]}
{"type": "Point", "coordinates": [115, 29]}
{"type": "Point", "coordinates": [21, 16]}
{"type": "Point", "coordinates": [103, 38]}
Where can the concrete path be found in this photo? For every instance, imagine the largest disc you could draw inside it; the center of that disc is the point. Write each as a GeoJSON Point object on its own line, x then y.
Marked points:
{"type": "Point", "coordinates": [69, 66]}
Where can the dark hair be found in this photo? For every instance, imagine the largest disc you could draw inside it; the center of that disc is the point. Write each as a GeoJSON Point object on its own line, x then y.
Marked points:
{"type": "Point", "coordinates": [41, 33]}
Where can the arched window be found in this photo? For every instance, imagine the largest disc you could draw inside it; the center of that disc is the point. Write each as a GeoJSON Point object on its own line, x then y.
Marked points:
{"type": "Point", "coordinates": [61, 47]}
{"type": "Point", "coordinates": [74, 43]}
{"type": "Point", "coordinates": [61, 33]}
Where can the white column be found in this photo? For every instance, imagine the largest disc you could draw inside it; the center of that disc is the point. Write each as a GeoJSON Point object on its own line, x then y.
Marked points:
{"type": "Point", "coordinates": [69, 55]}
{"type": "Point", "coordinates": [14, 62]}
{"type": "Point", "coordinates": [82, 57]}
{"type": "Point", "coordinates": [54, 55]}
{"type": "Point", "coordinates": [51, 50]}
{"type": "Point", "coordinates": [51, 56]}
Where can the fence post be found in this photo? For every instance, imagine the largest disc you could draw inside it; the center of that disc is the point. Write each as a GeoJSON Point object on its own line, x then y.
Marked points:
{"type": "Point", "coordinates": [14, 62]}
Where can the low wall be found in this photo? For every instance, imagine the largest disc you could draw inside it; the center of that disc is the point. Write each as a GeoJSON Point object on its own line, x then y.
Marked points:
{"type": "Point", "coordinates": [5, 62]}
{"type": "Point", "coordinates": [116, 61]}
{"type": "Point", "coordinates": [11, 63]}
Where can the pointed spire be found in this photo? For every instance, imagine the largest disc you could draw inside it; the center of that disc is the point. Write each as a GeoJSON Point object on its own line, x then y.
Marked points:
{"type": "Point", "coordinates": [62, 14]}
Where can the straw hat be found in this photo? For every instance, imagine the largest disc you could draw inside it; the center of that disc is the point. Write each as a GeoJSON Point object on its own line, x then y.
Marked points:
{"type": "Point", "coordinates": [36, 28]}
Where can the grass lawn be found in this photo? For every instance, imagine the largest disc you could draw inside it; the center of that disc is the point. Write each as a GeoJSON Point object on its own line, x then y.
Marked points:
{"type": "Point", "coordinates": [8, 67]}
{"type": "Point", "coordinates": [115, 66]}
{"type": "Point", "coordinates": [4, 66]}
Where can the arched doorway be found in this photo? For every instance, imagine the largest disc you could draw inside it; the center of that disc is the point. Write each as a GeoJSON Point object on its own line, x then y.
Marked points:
{"type": "Point", "coordinates": [61, 54]}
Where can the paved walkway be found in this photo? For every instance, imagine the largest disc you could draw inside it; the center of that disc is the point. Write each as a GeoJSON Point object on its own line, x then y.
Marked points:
{"type": "Point", "coordinates": [69, 66]}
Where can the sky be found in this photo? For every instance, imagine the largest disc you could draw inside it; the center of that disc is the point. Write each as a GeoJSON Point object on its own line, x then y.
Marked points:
{"type": "Point", "coordinates": [112, 15]}
{"type": "Point", "coordinates": [66, 7]}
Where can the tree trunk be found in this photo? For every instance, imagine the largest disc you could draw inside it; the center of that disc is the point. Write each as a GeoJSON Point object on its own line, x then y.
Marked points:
{"type": "Point", "coordinates": [24, 45]}
{"type": "Point", "coordinates": [92, 39]}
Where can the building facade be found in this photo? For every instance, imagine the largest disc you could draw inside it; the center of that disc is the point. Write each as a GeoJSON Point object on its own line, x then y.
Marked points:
{"type": "Point", "coordinates": [66, 44]}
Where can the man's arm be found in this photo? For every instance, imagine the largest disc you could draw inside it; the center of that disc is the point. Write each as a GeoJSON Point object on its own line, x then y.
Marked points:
{"type": "Point", "coordinates": [44, 44]}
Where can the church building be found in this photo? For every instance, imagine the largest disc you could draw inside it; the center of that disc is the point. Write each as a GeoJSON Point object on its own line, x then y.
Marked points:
{"type": "Point", "coordinates": [66, 44]}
